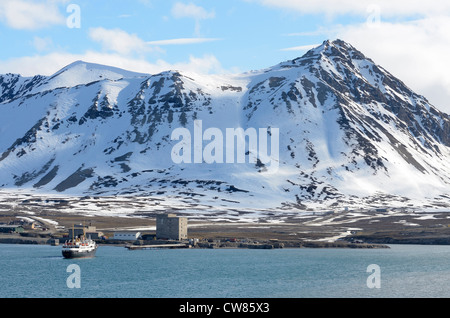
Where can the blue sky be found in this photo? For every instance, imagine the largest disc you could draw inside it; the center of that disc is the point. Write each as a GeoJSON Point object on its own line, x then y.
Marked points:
{"type": "Point", "coordinates": [408, 38]}
{"type": "Point", "coordinates": [241, 35]}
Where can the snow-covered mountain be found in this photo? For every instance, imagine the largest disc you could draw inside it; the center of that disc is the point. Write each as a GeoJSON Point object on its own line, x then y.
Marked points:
{"type": "Point", "coordinates": [350, 134]}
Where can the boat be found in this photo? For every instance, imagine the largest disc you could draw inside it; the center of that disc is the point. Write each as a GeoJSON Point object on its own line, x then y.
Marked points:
{"type": "Point", "coordinates": [79, 247]}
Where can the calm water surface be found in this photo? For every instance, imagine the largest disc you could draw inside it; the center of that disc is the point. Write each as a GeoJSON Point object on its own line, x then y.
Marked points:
{"type": "Point", "coordinates": [405, 271]}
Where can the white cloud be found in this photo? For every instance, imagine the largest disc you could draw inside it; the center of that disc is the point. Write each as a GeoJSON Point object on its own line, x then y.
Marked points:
{"type": "Point", "coordinates": [300, 48]}
{"type": "Point", "coordinates": [181, 10]}
{"type": "Point", "coordinates": [42, 44]}
{"type": "Point", "coordinates": [388, 8]}
{"type": "Point", "coordinates": [206, 64]}
{"type": "Point", "coordinates": [119, 41]}
{"type": "Point", "coordinates": [31, 15]}
{"type": "Point", "coordinates": [182, 41]}
{"type": "Point", "coordinates": [122, 42]}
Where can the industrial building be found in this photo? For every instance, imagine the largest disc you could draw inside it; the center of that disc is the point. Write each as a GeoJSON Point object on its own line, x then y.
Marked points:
{"type": "Point", "coordinates": [78, 230]}
{"type": "Point", "coordinates": [11, 228]}
{"type": "Point", "coordinates": [127, 236]}
{"type": "Point", "coordinates": [171, 227]}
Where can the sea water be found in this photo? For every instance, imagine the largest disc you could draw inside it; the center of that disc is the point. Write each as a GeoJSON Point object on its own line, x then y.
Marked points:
{"type": "Point", "coordinates": [33, 271]}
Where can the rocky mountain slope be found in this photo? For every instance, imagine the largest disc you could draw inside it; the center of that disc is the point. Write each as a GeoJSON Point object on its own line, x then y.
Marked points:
{"type": "Point", "coordinates": [341, 131]}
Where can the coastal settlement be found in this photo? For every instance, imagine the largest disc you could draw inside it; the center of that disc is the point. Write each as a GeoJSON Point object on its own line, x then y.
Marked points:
{"type": "Point", "coordinates": [169, 231]}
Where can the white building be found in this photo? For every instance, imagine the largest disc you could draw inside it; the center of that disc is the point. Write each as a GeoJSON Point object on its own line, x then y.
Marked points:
{"type": "Point", "coordinates": [126, 236]}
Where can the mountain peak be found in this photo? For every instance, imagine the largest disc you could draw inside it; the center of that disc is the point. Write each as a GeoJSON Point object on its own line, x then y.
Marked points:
{"type": "Point", "coordinates": [97, 70]}
{"type": "Point", "coordinates": [82, 73]}
{"type": "Point", "coordinates": [338, 43]}
{"type": "Point", "coordinates": [346, 131]}
{"type": "Point", "coordinates": [335, 49]}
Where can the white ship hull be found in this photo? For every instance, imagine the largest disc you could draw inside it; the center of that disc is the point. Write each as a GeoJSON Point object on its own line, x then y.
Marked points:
{"type": "Point", "coordinates": [79, 250]}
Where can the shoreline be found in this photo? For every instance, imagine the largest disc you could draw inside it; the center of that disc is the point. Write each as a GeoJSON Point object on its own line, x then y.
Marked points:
{"type": "Point", "coordinates": [353, 241]}
{"type": "Point", "coordinates": [305, 245]}
{"type": "Point", "coordinates": [139, 244]}
{"type": "Point", "coordinates": [204, 244]}
{"type": "Point", "coordinates": [308, 246]}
